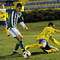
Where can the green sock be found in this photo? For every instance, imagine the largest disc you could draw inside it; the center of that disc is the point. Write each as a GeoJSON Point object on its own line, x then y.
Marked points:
{"type": "Point", "coordinates": [17, 46]}
{"type": "Point", "coordinates": [22, 46]}
{"type": "Point", "coordinates": [20, 43]}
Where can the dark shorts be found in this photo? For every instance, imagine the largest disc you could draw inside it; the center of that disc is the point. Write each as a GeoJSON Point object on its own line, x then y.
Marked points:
{"type": "Point", "coordinates": [3, 23]}
{"type": "Point", "coordinates": [47, 45]}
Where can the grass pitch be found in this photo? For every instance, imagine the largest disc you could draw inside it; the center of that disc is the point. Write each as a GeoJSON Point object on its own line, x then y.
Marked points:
{"type": "Point", "coordinates": [7, 44]}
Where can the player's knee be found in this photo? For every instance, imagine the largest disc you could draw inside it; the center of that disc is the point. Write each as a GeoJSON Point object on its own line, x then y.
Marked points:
{"type": "Point", "coordinates": [44, 45]}
{"type": "Point", "coordinates": [57, 49]}
{"type": "Point", "coordinates": [19, 37]}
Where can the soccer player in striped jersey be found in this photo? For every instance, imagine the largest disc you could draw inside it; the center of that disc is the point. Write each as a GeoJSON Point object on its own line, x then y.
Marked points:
{"type": "Point", "coordinates": [15, 17]}
{"type": "Point", "coordinates": [44, 37]}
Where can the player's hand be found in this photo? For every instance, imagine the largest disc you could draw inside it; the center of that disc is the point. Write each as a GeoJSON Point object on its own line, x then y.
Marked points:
{"type": "Point", "coordinates": [26, 28]}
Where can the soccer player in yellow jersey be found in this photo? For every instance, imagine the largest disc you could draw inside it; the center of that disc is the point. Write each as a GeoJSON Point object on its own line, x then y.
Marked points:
{"type": "Point", "coordinates": [44, 37]}
{"type": "Point", "coordinates": [3, 18]}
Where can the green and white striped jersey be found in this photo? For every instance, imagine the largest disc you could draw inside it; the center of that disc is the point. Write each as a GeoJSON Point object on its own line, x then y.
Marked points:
{"type": "Point", "coordinates": [14, 17]}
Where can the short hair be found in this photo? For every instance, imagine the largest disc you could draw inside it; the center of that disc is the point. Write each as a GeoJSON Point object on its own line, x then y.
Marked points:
{"type": "Point", "coordinates": [50, 24]}
{"type": "Point", "coordinates": [19, 5]}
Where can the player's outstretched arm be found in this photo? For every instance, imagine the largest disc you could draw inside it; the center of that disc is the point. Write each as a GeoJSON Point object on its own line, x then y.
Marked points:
{"type": "Point", "coordinates": [23, 25]}
{"type": "Point", "coordinates": [57, 31]}
{"type": "Point", "coordinates": [54, 41]}
{"type": "Point", "coordinates": [21, 21]}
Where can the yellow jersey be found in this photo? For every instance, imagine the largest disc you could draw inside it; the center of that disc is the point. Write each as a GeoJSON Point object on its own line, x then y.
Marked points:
{"type": "Point", "coordinates": [3, 16]}
{"type": "Point", "coordinates": [46, 33]}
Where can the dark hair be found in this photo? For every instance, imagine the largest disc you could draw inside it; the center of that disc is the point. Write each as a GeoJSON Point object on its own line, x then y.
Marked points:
{"type": "Point", "coordinates": [50, 24]}
{"type": "Point", "coordinates": [19, 5]}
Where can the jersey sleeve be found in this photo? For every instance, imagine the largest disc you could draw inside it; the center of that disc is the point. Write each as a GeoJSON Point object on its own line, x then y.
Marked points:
{"type": "Point", "coordinates": [20, 17]}
{"type": "Point", "coordinates": [55, 30]}
{"type": "Point", "coordinates": [22, 24]}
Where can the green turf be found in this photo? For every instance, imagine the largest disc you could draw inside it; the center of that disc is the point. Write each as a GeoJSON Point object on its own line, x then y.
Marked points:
{"type": "Point", "coordinates": [7, 44]}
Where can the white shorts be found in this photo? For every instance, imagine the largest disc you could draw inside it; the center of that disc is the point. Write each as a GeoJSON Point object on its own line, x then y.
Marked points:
{"type": "Point", "coordinates": [14, 32]}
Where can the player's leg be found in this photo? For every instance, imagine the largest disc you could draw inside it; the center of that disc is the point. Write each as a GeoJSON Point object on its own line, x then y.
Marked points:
{"type": "Point", "coordinates": [4, 24]}
{"type": "Point", "coordinates": [41, 44]}
{"type": "Point", "coordinates": [1, 25]}
{"type": "Point", "coordinates": [7, 31]}
{"type": "Point", "coordinates": [50, 49]}
{"type": "Point", "coordinates": [53, 49]}
{"type": "Point", "coordinates": [19, 43]}
{"type": "Point", "coordinates": [32, 46]}
{"type": "Point", "coordinates": [16, 34]}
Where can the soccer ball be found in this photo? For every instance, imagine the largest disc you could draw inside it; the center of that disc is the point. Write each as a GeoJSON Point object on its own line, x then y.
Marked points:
{"type": "Point", "coordinates": [26, 54]}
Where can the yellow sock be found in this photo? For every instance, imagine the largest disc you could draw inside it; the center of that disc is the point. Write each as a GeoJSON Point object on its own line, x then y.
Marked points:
{"type": "Point", "coordinates": [51, 50]}
{"type": "Point", "coordinates": [48, 51]}
{"type": "Point", "coordinates": [28, 46]}
{"type": "Point", "coordinates": [7, 31]}
{"type": "Point", "coordinates": [32, 46]}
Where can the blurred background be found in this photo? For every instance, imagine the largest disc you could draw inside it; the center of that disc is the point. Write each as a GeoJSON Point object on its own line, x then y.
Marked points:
{"type": "Point", "coordinates": [36, 10]}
